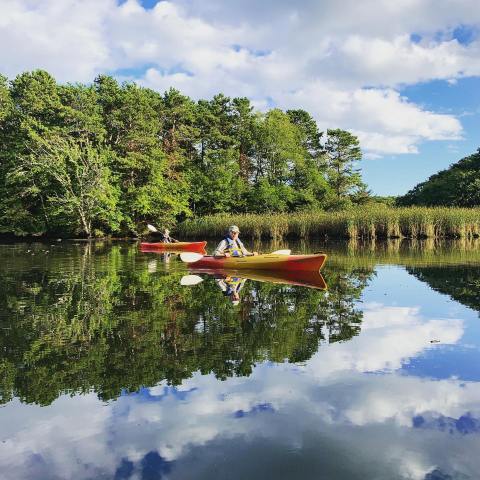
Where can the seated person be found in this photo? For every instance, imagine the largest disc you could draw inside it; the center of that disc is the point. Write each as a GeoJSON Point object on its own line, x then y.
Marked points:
{"type": "Point", "coordinates": [231, 245]}
{"type": "Point", "coordinates": [166, 238]}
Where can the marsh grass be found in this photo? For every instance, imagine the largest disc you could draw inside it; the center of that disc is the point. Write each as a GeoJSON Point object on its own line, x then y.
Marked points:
{"type": "Point", "coordinates": [408, 252]}
{"type": "Point", "coordinates": [361, 223]}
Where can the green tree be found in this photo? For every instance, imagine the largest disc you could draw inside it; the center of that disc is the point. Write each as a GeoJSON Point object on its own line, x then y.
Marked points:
{"type": "Point", "coordinates": [179, 134]}
{"type": "Point", "coordinates": [310, 135]}
{"type": "Point", "coordinates": [244, 124]}
{"type": "Point", "coordinates": [81, 114]}
{"type": "Point", "coordinates": [82, 196]}
{"type": "Point", "coordinates": [265, 197]}
{"type": "Point", "coordinates": [159, 157]}
{"type": "Point", "coordinates": [277, 150]}
{"type": "Point", "coordinates": [6, 103]}
{"type": "Point", "coordinates": [342, 152]}
{"type": "Point", "coordinates": [151, 181]}
{"type": "Point", "coordinates": [309, 177]}
{"type": "Point", "coordinates": [457, 186]}
{"type": "Point", "coordinates": [217, 183]}
{"type": "Point", "coordinates": [6, 109]}
{"type": "Point", "coordinates": [37, 110]}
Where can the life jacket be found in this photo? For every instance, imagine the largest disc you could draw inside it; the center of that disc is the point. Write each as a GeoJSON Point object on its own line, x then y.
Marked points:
{"type": "Point", "coordinates": [234, 249]}
{"type": "Point", "coordinates": [234, 285]}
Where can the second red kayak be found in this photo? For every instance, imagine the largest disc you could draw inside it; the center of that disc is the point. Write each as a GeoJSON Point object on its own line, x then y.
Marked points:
{"type": "Point", "coordinates": [269, 261]}
{"type": "Point", "coordinates": [173, 247]}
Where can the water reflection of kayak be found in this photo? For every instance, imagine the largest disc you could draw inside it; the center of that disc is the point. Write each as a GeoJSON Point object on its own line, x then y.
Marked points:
{"type": "Point", "coordinates": [173, 247]}
{"type": "Point", "coordinates": [269, 261]}
{"type": "Point", "coordinates": [303, 279]}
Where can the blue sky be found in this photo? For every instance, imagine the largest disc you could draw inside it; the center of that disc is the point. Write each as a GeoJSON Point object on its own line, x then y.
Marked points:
{"type": "Point", "coordinates": [403, 77]}
{"type": "Point", "coordinates": [461, 99]}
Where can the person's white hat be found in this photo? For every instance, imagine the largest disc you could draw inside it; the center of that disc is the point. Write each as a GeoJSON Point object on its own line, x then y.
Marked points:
{"type": "Point", "coordinates": [233, 228]}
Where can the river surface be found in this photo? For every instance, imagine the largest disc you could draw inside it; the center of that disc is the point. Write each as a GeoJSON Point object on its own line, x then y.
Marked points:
{"type": "Point", "coordinates": [117, 364]}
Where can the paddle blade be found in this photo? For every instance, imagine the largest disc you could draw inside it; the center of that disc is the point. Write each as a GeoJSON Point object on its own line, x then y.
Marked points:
{"type": "Point", "coordinates": [188, 280]}
{"type": "Point", "coordinates": [282, 252]}
{"type": "Point", "coordinates": [190, 257]}
{"type": "Point", "coordinates": [151, 228]}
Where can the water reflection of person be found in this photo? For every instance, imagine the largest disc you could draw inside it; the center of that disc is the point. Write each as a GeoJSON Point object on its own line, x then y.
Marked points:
{"type": "Point", "coordinates": [231, 287]}
{"type": "Point", "coordinates": [152, 264]}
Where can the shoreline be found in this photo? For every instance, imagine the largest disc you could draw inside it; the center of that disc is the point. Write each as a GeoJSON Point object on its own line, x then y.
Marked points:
{"type": "Point", "coordinates": [367, 223]}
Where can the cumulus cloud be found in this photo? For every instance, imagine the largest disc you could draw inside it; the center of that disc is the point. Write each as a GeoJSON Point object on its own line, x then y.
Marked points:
{"type": "Point", "coordinates": [390, 337]}
{"type": "Point", "coordinates": [66, 38]}
{"type": "Point", "coordinates": [342, 61]}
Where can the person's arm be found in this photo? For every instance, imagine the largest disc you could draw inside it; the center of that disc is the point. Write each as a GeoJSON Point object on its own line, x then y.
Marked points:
{"type": "Point", "coordinates": [245, 252]}
{"type": "Point", "coordinates": [241, 284]}
{"type": "Point", "coordinates": [174, 240]}
{"type": "Point", "coordinates": [220, 250]}
{"type": "Point", "coordinates": [221, 283]}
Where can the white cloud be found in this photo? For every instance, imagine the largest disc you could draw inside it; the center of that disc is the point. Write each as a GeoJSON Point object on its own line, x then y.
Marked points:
{"type": "Point", "coordinates": [378, 61]}
{"type": "Point", "coordinates": [343, 61]}
{"type": "Point", "coordinates": [66, 38]}
{"type": "Point", "coordinates": [390, 336]}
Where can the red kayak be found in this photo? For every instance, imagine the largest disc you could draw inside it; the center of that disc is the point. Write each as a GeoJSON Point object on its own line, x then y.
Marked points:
{"type": "Point", "coordinates": [269, 261]}
{"type": "Point", "coordinates": [173, 247]}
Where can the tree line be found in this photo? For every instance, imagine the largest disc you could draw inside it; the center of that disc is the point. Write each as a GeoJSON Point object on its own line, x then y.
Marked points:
{"type": "Point", "coordinates": [107, 158]}
{"type": "Point", "coordinates": [457, 186]}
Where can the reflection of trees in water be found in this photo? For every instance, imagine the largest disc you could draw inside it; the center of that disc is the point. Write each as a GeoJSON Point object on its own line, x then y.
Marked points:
{"type": "Point", "coordinates": [461, 282]}
{"type": "Point", "coordinates": [342, 317]}
{"type": "Point", "coordinates": [78, 322]}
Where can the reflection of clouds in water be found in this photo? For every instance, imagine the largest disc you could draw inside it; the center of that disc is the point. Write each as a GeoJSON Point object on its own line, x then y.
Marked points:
{"type": "Point", "coordinates": [285, 414]}
{"type": "Point", "coordinates": [464, 425]}
{"type": "Point", "coordinates": [389, 336]}
{"type": "Point", "coordinates": [65, 438]}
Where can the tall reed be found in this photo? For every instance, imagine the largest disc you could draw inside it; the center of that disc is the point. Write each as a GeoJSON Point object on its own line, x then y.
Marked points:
{"type": "Point", "coordinates": [364, 223]}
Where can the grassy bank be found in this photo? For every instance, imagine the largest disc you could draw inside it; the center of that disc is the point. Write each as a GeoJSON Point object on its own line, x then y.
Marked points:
{"type": "Point", "coordinates": [364, 223]}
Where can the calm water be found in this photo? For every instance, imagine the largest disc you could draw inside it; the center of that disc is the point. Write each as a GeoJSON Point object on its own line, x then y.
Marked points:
{"type": "Point", "coordinates": [111, 368]}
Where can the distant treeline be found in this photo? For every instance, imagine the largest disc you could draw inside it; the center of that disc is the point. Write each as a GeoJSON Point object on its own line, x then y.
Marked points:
{"type": "Point", "coordinates": [107, 158]}
{"type": "Point", "coordinates": [457, 186]}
